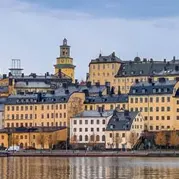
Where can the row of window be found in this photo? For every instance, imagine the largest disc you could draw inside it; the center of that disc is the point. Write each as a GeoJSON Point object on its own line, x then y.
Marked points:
{"type": "Point", "coordinates": [89, 122]}
{"type": "Point", "coordinates": [47, 107]}
{"type": "Point", "coordinates": [103, 66]}
{"type": "Point", "coordinates": [104, 74]}
{"type": "Point", "coordinates": [91, 138]}
{"type": "Point", "coordinates": [136, 126]}
{"type": "Point", "coordinates": [151, 100]}
{"type": "Point", "coordinates": [47, 124]}
{"type": "Point", "coordinates": [151, 109]}
{"type": "Point", "coordinates": [157, 118]}
{"type": "Point", "coordinates": [112, 106]}
{"type": "Point", "coordinates": [155, 90]}
{"type": "Point", "coordinates": [159, 127]}
{"type": "Point", "coordinates": [30, 116]}
{"type": "Point", "coordinates": [87, 129]}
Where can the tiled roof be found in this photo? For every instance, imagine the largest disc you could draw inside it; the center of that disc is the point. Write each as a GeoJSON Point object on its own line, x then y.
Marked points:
{"type": "Point", "coordinates": [123, 98]}
{"type": "Point", "coordinates": [121, 121]}
{"type": "Point", "coordinates": [162, 86]}
{"type": "Point", "coordinates": [148, 68]}
{"type": "Point", "coordinates": [93, 113]}
{"type": "Point", "coordinates": [106, 59]}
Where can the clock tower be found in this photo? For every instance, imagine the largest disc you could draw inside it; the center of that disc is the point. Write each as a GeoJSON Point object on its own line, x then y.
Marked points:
{"type": "Point", "coordinates": [64, 63]}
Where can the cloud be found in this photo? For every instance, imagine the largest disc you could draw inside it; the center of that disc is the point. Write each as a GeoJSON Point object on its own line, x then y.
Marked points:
{"type": "Point", "coordinates": [33, 34]}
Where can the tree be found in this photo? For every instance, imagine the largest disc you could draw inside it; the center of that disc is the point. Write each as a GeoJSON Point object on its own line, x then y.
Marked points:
{"type": "Point", "coordinates": [41, 139]}
{"type": "Point", "coordinates": [118, 140]}
{"type": "Point", "coordinates": [15, 140]}
{"type": "Point", "coordinates": [132, 138]}
{"type": "Point", "coordinates": [53, 139]}
{"type": "Point", "coordinates": [160, 139]}
{"type": "Point", "coordinates": [73, 141]}
{"type": "Point", "coordinates": [174, 139]}
{"type": "Point", "coordinates": [75, 106]}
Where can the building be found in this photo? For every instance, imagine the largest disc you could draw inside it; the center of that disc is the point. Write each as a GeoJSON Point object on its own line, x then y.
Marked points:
{"type": "Point", "coordinates": [123, 74]}
{"type": "Point", "coordinates": [37, 137]}
{"type": "Point", "coordinates": [104, 68]}
{"type": "Point", "coordinates": [157, 102]}
{"type": "Point", "coordinates": [64, 63]}
{"type": "Point", "coordinates": [2, 102]}
{"type": "Point", "coordinates": [41, 110]}
{"type": "Point", "coordinates": [87, 129]}
{"type": "Point", "coordinates": [124, 129]}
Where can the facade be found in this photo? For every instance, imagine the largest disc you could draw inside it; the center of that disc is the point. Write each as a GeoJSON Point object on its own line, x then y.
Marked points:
{"type": "Point", "coordinates": [123, 74]}
{"type": "Point", "coordinates": [88, 128]}
{"type": "Point", "coordinates": [158, 103]}
{"type": "Point", "coordinates": [39, 137]}
{"type": "Point", "coordinates": [124, 129]}
{"type": "Point", "coordinates": [64, 63]}
{"type": "Point", "coordinates": [104, 68]}
{"type": "Point", "coordinates": [44, 110]}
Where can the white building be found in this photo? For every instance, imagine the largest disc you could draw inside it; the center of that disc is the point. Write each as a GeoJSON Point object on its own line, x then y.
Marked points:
{"type": "Point", "coordinates": [88, 128]}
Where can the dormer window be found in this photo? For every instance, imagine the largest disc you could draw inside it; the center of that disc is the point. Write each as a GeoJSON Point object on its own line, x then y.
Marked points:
{"type": "Point", "coordinates": [141, 72]}
{"type": "Point", "coordinates": [159, 90]}
{"type": "Point", "coordinates": [132, 72]}
{"type": "Point", "coordinates": [143, 90]}
{"type": "Point", "coordinates": [123, 72]}
{"type": "Point", "coordinates": [154, 90]}
{"type": "Point", "coordinates": [134, 91]}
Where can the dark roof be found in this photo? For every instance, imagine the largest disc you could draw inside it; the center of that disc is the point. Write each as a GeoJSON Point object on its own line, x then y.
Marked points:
{"type": "Point", "coordinates": [4, 89]}
{"type": "Point", "coordinates": [64, 66]}
{"type": "Point", "coordinates": [106, 59]}
{"type": "Point", "coordinates": [121, 121]}
{"type": "Point", "coordinates": [162, 86]}
{"type": "Point", "coordinates": [93, 113]}
{"type": "Point", "coordinates": [32, 129]}
{"type": "Point", "coordinates": [148, 68]}
{"type": "Point", "coordinates": [36, 98]}
{"type": "Point", "coordinates": [123, 98]}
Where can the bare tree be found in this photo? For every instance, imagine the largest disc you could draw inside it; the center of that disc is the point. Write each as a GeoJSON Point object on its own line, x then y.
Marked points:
{"type": "Point", "coordinates": [41, 139]}
{"type": "Point", "coordinates": [132, 138]}
{"type": "Point", "coordinates": [160, 139]}
{"type": "Point", "coordinates": [73, 141]}
{"type": "Point", "coordinates": [174, 139]}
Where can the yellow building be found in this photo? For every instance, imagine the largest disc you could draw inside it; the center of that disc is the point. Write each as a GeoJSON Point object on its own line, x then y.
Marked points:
{"type": "Point", "coordinates": [157, 102]}
{"type": "Point", "coordinates": [64, 63]}
{"type": "Point", "coordinates": [39, 138]}
{"type": "Point", "coordinates": [41, 109]}
{"type": "Point", "coordinates": [104, 68]}
{"type": "Point", "coordinates": [124, 129]}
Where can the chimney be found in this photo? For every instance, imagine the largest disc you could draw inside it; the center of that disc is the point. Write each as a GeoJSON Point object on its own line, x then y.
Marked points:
{"type": "Point", "coordinates": [149, 80]}
{"type": "Point", "coordinates": [174, 58]}
{"type": "Point", "coordinates": [10, 74]}
{"type": "Point", "coordinates": [100, 93]}
{"type": "Point", "coordinates": [39, 97]}
{"type": "Point", "coordinates": [22, 75]}
{"type": "Point", "coordinates": [98, 84]}
{"type": "Point", "coordinates": [27, 83]}
{"type": "Point", "coordinates": [164, 60]}
{"type": "Point", "coordinates": [162, 80]}
{"type": "Point", "coordinates": [177, 68]}
{"type": "Point", "coordinates": [59, 73]}
{"type": "Point", "coordinates": [151, 60]}
{"type": "Point", "coordinates": [88, 84]}
{"type": "Point", "coordinates": [4, 76]}
{"type": "Point", "coordinates": [112, 90]}
{"type": "Point", "coordinates": [144, 60]}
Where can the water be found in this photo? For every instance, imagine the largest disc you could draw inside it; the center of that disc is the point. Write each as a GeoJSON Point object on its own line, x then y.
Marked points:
{"type": "Point", "coordinates": [89, 168]}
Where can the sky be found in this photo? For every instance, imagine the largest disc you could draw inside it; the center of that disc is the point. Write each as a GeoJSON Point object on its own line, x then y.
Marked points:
{"type": "Point", "coordinates": [33, 30]}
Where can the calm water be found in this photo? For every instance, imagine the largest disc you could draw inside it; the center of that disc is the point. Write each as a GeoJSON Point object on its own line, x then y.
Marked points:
{"type": "Point", "coordinates": [89, 168]}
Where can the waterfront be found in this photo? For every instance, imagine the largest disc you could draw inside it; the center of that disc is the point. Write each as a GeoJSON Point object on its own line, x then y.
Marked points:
{"type": "Point", "coordinates": [88, 168]}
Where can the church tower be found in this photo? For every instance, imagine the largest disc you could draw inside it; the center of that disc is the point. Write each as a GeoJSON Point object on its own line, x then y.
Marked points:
{"type": "Point", "coordinates": [64, 63]}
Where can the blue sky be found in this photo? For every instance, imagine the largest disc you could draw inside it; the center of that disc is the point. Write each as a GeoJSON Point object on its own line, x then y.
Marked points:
{"type": "Point", "coordinates": [32, 30]}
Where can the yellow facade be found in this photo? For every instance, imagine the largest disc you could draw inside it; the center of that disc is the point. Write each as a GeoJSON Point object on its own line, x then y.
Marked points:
{"type": "Point", "coordinates": [64, 63]}
{"type": "Point", "coordinates": [41, 139]}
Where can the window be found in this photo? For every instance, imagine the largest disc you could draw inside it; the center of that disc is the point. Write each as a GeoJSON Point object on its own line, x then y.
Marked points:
{"type": "Point", "coordinates": [22, 108]}
{"type": "Point", "coordinates": [52, 115]}
{"type": "Point", "coordinates": [97, 129]}
{"type": "Point", "coordinates": [86, 121]}
{"type": "Point", "coordinates": [104, 121]}
{"type": "Point", "coordinates": [157, 117]}
{"type": "Point", "coordinates": [74, 130]}
{"type": "Point", "coordinates": [103, 138]}
{"type": "Point", "coordinates": [74, 122]}
{"type": "Point", "coordinates": [64, 115]}
{"type": "Point", "coordinates": [151, 117]}
{"type": "Point", "coordinates": [8, 108]}
{"type": "Point", "coordinates": [146, 100]}
{"type": "Point", "coordinates": [141, 100]}
{"type": "Point", "coordinates": [86, 129]}
{"type": "Point", "coordinates": [80, 121]}
{"type": "Point", "coordinates": [157, 99]}
{"type": "Point", "coordinates": [12, 108]}
{"type": "Point", "coordinates": [97, 138]}
{"type": "Point", "coordinates": [168, 108]}
{"type": "Point", "coordinates": [110, 135]}
{"type": "Point", "coordinates": [123, 134]}
{"type": "Point", "coordinates": [92, 122]}
{"type": "Point", "coordinates": [163, 117]}
{"type": "Point", "coordinates": [151, 99]}
{"type": "Point", "coordinates": [42, 107]}
{"type": "Point", "coordinates": [132, 100]}
{"type": "Point", "coordinates": [146, 109]}
{"type": "Point", "coordinates": [157, 127]}
{"type": "Point", "coordinates": [168, 99]}
{"type": "Point", "coordinates": [42, 116]}
{"type": "Point", "coordinates": [151, 128]}
{"type": "Point", "coordinates": [103, 129]}
{"type": "Point", "coordinates": [92, 129]}
{"type": "Point", "coordinates": [80, 129]}
{"type": "Point", "coordinates": [80, 138]}
{"type": "Point", "coordinates": [86, 107]}
{"type": "Point", "coordinates": [86, 138]}
{"type": "Point", "coordinates": [136, 100]}
{"type": "Point", "coordinates": [26, 116]}
{"type": "Point", "coordinates": [111, 107]}
{"type": "Point", "coordinates": [17, 108]}
{"type": "Point", "coordinates": [177, 117]}
{"type": "Point", "coordinates": [145, 118]}
{"type": "Point", "coordinates": [163, 99]}
{"type": "Point", "coordinates": [151, 109]}
{"type": "Point", "coordinates": [162, 109]}
{"type": "Point", "coordinates": [157, 108]}
{"type": "Point", "coordinates": [168, 117]}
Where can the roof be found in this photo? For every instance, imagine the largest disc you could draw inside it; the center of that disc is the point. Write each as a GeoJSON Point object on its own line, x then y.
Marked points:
{"type": "Point", "coordinates": [4, 89]}
{"type": "Point", "coordinates": [36, 98]}
{"type": "Point", "coordinates": [148, 68]}
{"type": "Point", "coordinates": [123, 98]}
{"type": "Point", "coordinates": [93, 113]}
{"type": "Point", "coordinates": [106, 59]}
{"type": "Point", "coordinates": [92, 89]}
{"type": "Point", "coordinates": [64, 66]}
{"type": "Point", "coordinates": [121, 121]}
{"type": "Point", "coordinates": [162, 86]}
{"type": "Point", "coordinates": [32, 84]}
{"type": "Point", "coordinates": [32, 129]}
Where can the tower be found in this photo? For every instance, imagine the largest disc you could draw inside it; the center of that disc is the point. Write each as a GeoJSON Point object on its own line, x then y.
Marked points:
{"type": "Point", "coordinates": [64, 62]}
{"type": "Point", "coordinates": [16, 69]}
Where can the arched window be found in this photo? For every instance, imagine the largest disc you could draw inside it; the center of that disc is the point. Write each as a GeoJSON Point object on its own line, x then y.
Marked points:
{"type": "Point", "coordinates": [97, 138]}
{"type": "Point", "coordinates": [86, 138]}
{"type": "Point", "coordinates": [103, 138]}
{"type": "Point", "coordinates": [92, 138]}
{"type": "Point", "coordinates": [80, 138]}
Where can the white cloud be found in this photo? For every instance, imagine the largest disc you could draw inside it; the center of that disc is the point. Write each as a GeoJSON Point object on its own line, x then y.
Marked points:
{"type": "Point", "coordinates": [34, 34]}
